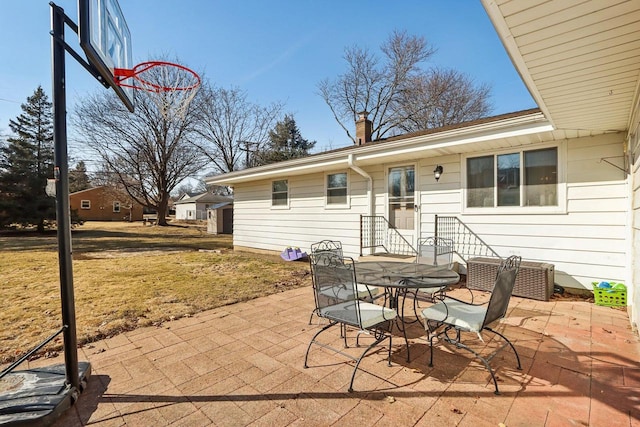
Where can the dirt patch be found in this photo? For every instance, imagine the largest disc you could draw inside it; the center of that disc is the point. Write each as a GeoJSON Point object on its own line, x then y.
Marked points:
{"type": "Point", "coordinates": [571, 296]}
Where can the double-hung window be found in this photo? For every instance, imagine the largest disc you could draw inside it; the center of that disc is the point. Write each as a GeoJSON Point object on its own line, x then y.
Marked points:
{"type": "Point", "coordinates": [116, 207]}
{"type": "Point", "coordinates": [85, 204]}
{"type": "Point", "coordinates": [516, 179]}
{"type": "Point", "coordinates": [337, 189]}
{"type": "Point", "coordinates": [280, 193]}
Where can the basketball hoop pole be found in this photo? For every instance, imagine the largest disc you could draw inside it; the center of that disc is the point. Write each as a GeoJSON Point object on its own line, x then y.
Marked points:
{"type": "Point", "coordinates": [63, 218]}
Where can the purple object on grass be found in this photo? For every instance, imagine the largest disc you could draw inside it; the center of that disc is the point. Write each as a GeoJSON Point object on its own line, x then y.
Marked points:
{"type": "Point", "coordinates": [292, 254]}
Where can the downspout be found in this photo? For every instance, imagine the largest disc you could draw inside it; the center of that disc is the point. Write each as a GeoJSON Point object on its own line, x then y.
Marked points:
{"type": "Point", "coordinates": [361, 172]}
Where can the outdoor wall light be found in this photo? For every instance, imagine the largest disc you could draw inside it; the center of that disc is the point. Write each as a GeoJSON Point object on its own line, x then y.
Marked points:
{"type": "Point", "coordinates": [437, 172]}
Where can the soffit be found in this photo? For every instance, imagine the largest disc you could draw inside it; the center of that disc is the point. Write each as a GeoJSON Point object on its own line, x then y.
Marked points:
{"type": "Point", "coordinates": [579, 59]}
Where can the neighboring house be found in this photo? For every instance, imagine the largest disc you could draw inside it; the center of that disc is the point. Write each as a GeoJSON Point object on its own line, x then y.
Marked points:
{"type": "Point", "coordinates": [559, 184]}
{"type": "Point", "coordinates": [105, 204]}
{"type": "Point", "coordinates": [206, 206]}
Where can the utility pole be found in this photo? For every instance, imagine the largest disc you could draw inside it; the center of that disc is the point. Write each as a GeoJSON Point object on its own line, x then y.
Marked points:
{"type": "Point", "coordinates": [247, 150]}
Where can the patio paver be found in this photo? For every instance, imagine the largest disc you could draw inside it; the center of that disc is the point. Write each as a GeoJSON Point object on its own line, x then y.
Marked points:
{"type": "Point", "coordinates": [243, 365]}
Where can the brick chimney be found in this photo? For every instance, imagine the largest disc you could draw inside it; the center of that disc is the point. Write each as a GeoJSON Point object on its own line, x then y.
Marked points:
{"type": "Point", "coordinates": [363, 128]}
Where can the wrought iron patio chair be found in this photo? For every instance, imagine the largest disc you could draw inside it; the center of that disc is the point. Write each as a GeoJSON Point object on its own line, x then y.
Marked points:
{"type": "Point", "coordinates": [332, 246]}
{"type": "Point", "coordinates": [436, 251]}
{"type": "Point", "coordinates": [334, 286]}
{"type": "Point", "coordinates": [452, 317]}
{"type": "Point", "coordinates": [364, 292]}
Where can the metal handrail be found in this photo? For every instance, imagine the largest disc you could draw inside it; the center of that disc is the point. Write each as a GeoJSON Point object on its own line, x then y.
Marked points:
{"type": "Point", "coordinates": [377, 232]}
{"type": "Point", "coordinates": [15, 364]}
{"type": "Point", "coordinates": [467, 243]}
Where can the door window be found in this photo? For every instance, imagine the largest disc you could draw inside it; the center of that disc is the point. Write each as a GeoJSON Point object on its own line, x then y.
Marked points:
{"type": "Point", "coordinates": [401, 197]}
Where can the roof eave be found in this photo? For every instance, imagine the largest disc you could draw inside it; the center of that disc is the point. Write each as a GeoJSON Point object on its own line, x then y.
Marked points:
{"type": "Point", "coordinates": [509, 43]}
{"type": "Point", "coordinates": [513, 126]}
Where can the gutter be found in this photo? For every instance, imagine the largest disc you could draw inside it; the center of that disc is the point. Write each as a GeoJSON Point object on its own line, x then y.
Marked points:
{"type": "Point", "coordinates": [361, 172]}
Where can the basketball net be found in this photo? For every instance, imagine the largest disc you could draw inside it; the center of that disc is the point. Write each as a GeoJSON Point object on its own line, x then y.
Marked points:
{"type": "Point", "coordinates": [171, 87]}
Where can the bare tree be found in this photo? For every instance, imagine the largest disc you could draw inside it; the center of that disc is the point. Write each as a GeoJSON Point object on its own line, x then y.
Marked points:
{"type": "Point", "coordinates": [441, 97]}
{"type": "Point", "coordinates": [388, 89]}
{"type": "Point", "coordinates": [149, 151]}
{"type": "Point", "coordinates": [375, 87]}
{"type": "Point", "coordinates": [192, 187]}
{"type": "Point", "coordinates": [232, 129]}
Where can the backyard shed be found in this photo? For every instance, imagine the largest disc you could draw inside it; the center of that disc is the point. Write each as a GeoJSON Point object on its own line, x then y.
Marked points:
{"type": "Point", "coordinates": [192, 208]}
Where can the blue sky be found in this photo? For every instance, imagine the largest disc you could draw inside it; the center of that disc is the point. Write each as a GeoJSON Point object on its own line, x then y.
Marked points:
{"type": "Point", "coordinates": [275, 50]}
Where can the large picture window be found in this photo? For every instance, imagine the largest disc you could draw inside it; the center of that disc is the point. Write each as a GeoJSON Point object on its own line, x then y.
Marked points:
{"type": "Point", "coordinates": [526, 178]}
{"type": "Point", "coordinates": [280, 193]}
{"type": "Point", "coordinates": [337, 189]}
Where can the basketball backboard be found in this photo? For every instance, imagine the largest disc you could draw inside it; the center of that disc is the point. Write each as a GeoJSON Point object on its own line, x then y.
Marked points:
{"type": "Point", "coordinates": [106, 40]}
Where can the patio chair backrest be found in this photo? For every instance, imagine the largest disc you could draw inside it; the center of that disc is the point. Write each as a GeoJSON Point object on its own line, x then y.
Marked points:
{"type": "Point", "coordinates": [332, 246]}
{"type": "Point", "coordinates": [334, 283]}
{"type": "Point", "coordinates": [435, 251]}
{"type": "Point", "coordinates": [502, 289]}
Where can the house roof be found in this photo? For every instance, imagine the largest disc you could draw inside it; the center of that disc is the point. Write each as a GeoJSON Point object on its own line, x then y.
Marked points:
{"type": "Point", "coordinates": [205, 198]}
{"type": "Point", "coordinates": [86, 190]}
{"type": "Point", "coordinates": [579, 59]}
{"type": "Point", "coordinates": [220, 205]}
{"type": "Point", "coordinates": [114, 190]}
{"type": "Point", "coordinates": [500, 130]}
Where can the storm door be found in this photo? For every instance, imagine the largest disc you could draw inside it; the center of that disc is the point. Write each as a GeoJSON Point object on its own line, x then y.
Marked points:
{"type": "Point", "coordinates": [401, 190]}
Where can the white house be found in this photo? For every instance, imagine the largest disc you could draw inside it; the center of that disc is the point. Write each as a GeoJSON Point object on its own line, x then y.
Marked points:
{"type": "Point", "coordinates": [559, 184]}
{"type": "Point", "coordinates": [192, 208]}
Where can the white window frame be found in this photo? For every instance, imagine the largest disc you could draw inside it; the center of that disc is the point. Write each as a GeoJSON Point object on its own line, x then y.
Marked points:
{"type": "Point", "coordinates": [85, 204]}
{"type": "Point", "coordinates": [285, 206]}
{"type": "Point", "coordinates": [347, 202]}
{"type": "Point", "coordinates": [116, 207]}
{"type": "Point", "coordinates": [561, 207]}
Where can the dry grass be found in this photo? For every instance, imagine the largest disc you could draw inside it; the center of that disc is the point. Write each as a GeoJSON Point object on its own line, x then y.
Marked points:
{"type": "Point", "coordinates": [127, 275]}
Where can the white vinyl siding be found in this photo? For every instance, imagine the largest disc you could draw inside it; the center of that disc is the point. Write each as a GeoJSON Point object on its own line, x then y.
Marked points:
{"type": "Point", "coordinates": [258, 225]}
{"type": "Point", "coordinates": [585, 241]}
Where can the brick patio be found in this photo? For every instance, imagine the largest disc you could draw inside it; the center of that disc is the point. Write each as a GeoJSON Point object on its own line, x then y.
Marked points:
{"type": "Point", "coordinates": [243, 365]}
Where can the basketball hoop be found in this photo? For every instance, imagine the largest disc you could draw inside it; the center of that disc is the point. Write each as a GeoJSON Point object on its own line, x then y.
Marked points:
{"type": "Point", "coordinates": [170, 86]}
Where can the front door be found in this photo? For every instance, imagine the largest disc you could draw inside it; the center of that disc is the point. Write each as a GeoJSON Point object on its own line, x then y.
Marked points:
{"type": "Point", "coordinates": [402, 212]}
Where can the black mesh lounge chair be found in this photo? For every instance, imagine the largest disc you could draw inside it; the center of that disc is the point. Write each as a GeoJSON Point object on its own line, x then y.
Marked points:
{"type": "Point", "coordinates": [336, 295]}
{"type": "Point", "coordinates": [447, 319]}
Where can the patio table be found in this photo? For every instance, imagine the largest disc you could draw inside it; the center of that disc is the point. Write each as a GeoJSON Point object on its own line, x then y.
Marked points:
{"type": "Point", "coordinates": [401, 278]}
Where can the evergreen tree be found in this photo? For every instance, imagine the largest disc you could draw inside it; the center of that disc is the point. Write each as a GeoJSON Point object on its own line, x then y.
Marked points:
{"type": "Point", "coordinates": [78, 178]}
{"type": "Point", "coordinates": [26, 161]}
{"type": "Point", "coordinates": [285, 143]}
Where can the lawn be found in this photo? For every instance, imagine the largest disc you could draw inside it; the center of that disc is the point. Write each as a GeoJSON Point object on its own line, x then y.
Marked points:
{"type": "Point", "coordinates": [127, 275]}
